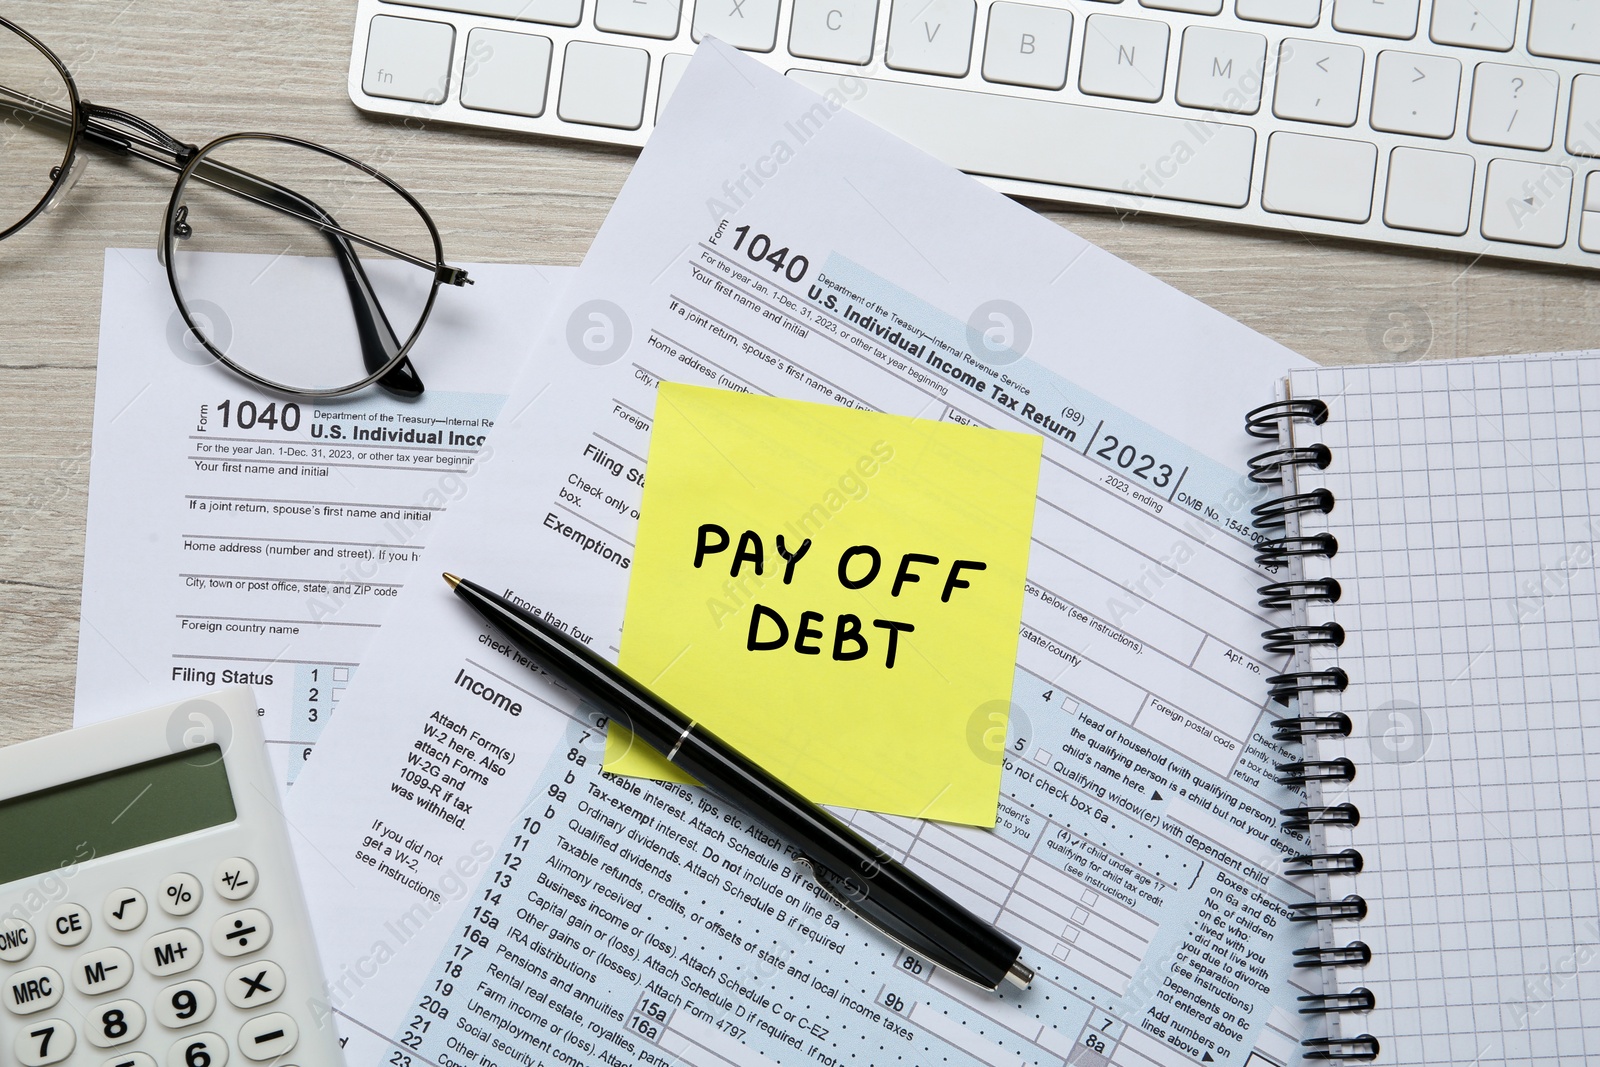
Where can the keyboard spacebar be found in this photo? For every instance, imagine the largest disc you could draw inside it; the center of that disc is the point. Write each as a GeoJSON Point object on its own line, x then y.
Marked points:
{"type": "Point", "coordinates": [1062, 144]}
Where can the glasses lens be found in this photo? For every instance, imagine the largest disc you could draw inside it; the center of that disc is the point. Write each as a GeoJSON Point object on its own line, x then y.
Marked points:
{"type": "Point", "coordinates": [35, 126]}
{"type": "Point", "coordinates": [285, 259]}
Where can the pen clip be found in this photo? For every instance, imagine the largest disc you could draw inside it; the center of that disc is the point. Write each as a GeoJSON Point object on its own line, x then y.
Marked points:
{"type": "Point", "coordinates": [845, 903]}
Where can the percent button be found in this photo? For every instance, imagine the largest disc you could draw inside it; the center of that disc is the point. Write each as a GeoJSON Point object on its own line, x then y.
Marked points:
{"type": "Point", "coordinates": [180, 894]}
{"type": "Point", "coordinates": [241, 932]}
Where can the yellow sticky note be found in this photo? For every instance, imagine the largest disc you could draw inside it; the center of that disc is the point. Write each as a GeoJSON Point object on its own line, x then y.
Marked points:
{"type": "Point", "coordinates": [836, 593]}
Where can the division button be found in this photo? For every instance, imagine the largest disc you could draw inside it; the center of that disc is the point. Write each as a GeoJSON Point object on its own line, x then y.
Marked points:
{"type": "Point", "coordinates": [16, 940]}
{"type": "Point", "coordinates": [180, 894]}
{"type": "Point", "coordinates": [268, 1037]}
{"type": "Point", "coordinates": [255, 984]}
{"type": "Point", "coordinates": [185, 1004]}
{"type": "Point", "coordinates": [68, 925]}
{"type": "Point", "coordinates": [241, 932]}
{"type": "Point", "coordinates": [42, 1043]}
{"type": "Point", "coordinates": [125, 909]}
{"type": "Point", "coordinates": [208, 1049]}
{"type": "Point", "coordinates": [235, 879]}
{"type": "Point", "coordinates": [173, 952]}
{"type": "Point", "coordinates": [113, 1024]}
{"type": "Point", "coordinates": [104, 971]}
{"type": "Point", "coordinates": [34, 990]}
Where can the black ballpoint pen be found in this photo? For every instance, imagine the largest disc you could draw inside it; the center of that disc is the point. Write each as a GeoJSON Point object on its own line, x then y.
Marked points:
{"type": "Point", "coordinates": [851, 870]}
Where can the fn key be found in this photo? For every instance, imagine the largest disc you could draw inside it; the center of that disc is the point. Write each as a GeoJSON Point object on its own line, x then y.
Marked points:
{"type": "Point", "coordinates": [408, 59]}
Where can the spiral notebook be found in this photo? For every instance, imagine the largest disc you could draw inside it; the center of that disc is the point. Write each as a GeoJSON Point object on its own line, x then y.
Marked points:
{"type": "Point", "coordinates": [1432, 528]}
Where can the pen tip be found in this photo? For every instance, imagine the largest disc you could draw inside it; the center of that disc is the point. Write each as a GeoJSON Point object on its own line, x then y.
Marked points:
{"type": "Point", "coordinates": [451, 579]}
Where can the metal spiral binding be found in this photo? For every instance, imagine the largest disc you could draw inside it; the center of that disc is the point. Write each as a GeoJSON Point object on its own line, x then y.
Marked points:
{"type": "Point", "coordinates": [1287, 548]}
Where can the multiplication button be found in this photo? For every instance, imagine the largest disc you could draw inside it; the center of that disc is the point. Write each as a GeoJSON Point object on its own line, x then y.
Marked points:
{"type": "Point", "coordinates": [255, 984]}
{"type": "Point", "coordinates": [68, 925]}
{"type": "Point", "coordinates": [268, 1037]}
{"type": "Point", "coordinates": [235, 879]}
{"type": "Point", "coordinates": [208, 1049]}
{"type": "Point", "coordinates": [34, 990]}
{"type": "Point", "coordinates": [104, 971]}
{"type": "Point", "coordinates": [16, 940]}
{"type": "Point", "coordinates": [173, 952]}
{"type": "Point", "coordinates": [125, 909]}
{"type": "Point", "coordinates": [179, 894]}
{"type": "Point", "coordinates": [241, 932]}
{"type": "Point", "coordinates": [42, 1043]}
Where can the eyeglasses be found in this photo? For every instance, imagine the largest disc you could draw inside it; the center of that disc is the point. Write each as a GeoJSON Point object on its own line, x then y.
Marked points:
{"type": "Point", "coordinates": [342, 265]}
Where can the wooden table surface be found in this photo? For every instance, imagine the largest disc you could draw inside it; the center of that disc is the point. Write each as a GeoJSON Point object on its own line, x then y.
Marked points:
{"type": "Point", "coordinates": [200, 68]}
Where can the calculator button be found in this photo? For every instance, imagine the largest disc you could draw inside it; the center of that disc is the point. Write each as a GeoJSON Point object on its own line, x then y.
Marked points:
{"type": "Point", "coordinates": [180, 894]}
{"type": "Point", "coordinates": [102, 972]}
{"type": "Point", "coordinates": [113, 1024]}
{"type": "Point", "coordinates": [235, 879]}
{"type": "Point", "coordinates": [16, 940]}
{"type": "Point", "coordinates": [125, 909]}
{"type": "Point", "coordinates": [131, 1059]}
{"type": "Point", "coordinates": [68, 925]}
{"type": "Point", "coordinates": [185, 1004]}
{"type": "Point", "coordinates": [36, 989]}
{"type": "Point", "coordinates": [255, 984]}
{"type": "Point", "coordinates": [268, 1037]}
{"type": "Point", "coordinates": [241, 932]}
{"type": "Point", "coordinates": [173, 952]}
{"type": "Point", "coordinates": [196, 1049]}
{"type": "Point", "coordinates": [45, 1042]}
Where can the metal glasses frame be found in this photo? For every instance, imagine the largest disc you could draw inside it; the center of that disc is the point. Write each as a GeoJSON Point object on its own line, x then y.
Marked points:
{"type": "Point", "coordinates": [125, 134]}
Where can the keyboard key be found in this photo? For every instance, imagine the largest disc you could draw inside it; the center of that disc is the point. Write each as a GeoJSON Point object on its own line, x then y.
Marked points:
{"type": "Point", "coordinates": [241, 933]}
{"type": "Point", "coordinates": [1413, 93]}
{"type": "Point", "coordinates": [506, 72]}
{"type": "Point", "coordinates": [68, 925]}
{"type": "Point", "coordinates": [1513, 106]}
{"type": "Point", "coordinates": [179, 894]}
{"type": "Point", "coordinates": [104, 971]}
{"type": "Point", "coordinates": [1319, 177]}
{"type": "Point", "coordinates": [1475, 23]}
{"type": "Point", "coordinates": [1589, 227]}
{"type": "Point", "coordinates": [1527, 203]}
{"type": "Point", "coordinates": [748, 24]}
{"type": "Point", "coordinates": [1066, 144]}
{"type": "Point", "coordinates": [640, 18]}
{"type": "Point", "coordinates": [1221, 69]}
{"type": "Point", "coordinates": [255, 984]}
{"type": "Point", "coordinates": [16, 940]}
{"type": "Point", "coordinates": [125, 909]}
{"type": "Point", "coordinates": [33, 990]}
{"type": "Point", "coordinates": [553, 12]}
{"type": "Point", "coordinates": [1583, 117]}
{"type": "Point", "coordinates": [43, 1043]}
{"type": "Point", "coordinates": [408, 59]}
{"type": "Point", "coordinates": [113, 1024]}
{"type": "Point", "coordinates": [1124, 57]}
{"type": "Point", "coordinates": [1566, 29]}
{"type": "Point", "coordinates": [836, 30]}
{"type": "Point", "coordinates": [1197, 7]}
{"type": "Point", "coordinates": [209, 1049]}
{"type": "Point", "coordinates": [1027, 45]}
{"type": "Point", "coordinates": [1318, 82]}
{"type": "Point", "coordinates": [931, 36]}
{"type": "Point", "coordinates": [1282, 12]}
{"type": "Point", "coordinates": [185, 1004]}
{"type": "Point", "coordinates": [268, 1037]}
{"type": "Point", "coordinates": [673, 64]}
{"type": "Point", "coordinates": [1380, 18]}
{"type": "Point", "coordinates": [1429, 191]}
{"type": "Point", "coordinates": [604, 85]}
{"type": "Point", "coordinates": [173, 952]}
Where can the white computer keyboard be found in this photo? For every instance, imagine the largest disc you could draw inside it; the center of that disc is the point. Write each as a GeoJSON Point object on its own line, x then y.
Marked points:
{"type": "Point", "coordinates": [1471, 126]}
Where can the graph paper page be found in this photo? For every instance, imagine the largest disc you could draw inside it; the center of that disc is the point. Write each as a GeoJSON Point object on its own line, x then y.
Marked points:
{"type": "Point", "coordinates": [1466, 503]}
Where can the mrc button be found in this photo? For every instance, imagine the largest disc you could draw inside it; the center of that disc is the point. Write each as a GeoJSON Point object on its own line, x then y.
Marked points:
{"type": "Point", "coordinates": [173, 952]}
{"type": "Point", "coordinates": [36, 989]}
{"type": "Point", "coordinates": [16, 940]}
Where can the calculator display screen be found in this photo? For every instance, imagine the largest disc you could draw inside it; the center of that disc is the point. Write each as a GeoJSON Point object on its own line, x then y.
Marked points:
{"type": "Point", "coordinates": [113, 812]}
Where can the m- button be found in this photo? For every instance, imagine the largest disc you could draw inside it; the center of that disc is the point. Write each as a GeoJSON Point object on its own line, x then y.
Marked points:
{"type": "Point", "coordinates": [102, 972]}
{"type": "Point", "coordinates": [173, 952]}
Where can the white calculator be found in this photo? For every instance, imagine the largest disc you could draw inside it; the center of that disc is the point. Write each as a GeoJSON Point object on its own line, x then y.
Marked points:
{"type": "Point", "coordinates": [150, 911]}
